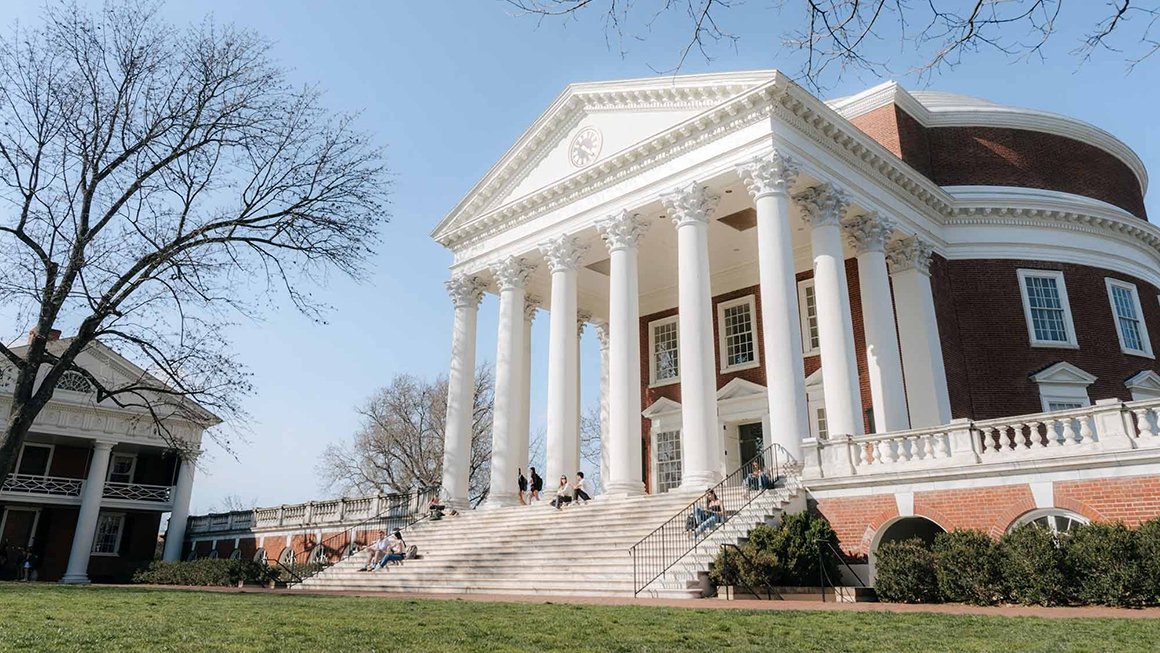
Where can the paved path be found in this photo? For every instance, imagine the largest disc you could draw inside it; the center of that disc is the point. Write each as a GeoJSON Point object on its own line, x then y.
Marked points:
{"type": "Point", "coordinates": [1087, 612]}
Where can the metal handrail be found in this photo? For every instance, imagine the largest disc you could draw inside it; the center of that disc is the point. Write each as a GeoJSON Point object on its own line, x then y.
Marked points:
{"type": "Point", "coordinates": [769, 589]}
{"type": "Point", "coordinates": [308, 566]}
{"type": "Point", "coordinates": [824, 576]}
{"type": "Point", "coordinates": [658, 551]}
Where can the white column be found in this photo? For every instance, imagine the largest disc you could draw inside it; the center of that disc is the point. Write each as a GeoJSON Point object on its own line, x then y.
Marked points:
{"type": "Point", "coordinates": [620, 234]}
{"type": "Point", "coordinates": [868, 234]}
{"type": "Point", "coordinates": [511, 276]}
{"type": "Point", "coordinates": [823, 208]}
{"type": "Point", "coordinates": [563, 257]}
{"type": "Point", "coordinates": [690, 209]}
{"type": "Point", "coordinates": [179, 515]}
{"type": "Point", "coordinates": [769, 180]}
{"type": "Point", "coordinates": [94, 490]}
{"type": "Point", "coordinates": [922, 359]}
{"type": "Point", "coordinates": [466, 292]}
{"type": "Point", "coordinates": [523, 429]}
{"type": "Point", "coordinates": [602, 335]}
{"type": "Point", "coordinates": [582, 318]}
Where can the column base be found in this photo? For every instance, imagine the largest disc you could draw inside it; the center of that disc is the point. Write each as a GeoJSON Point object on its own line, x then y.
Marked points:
{"type": "Point", "coordinates": [700, 481]}
{"type": "Point", "coordinates": [75, 579]}
{"type": "Point", "coordinates": [457, 504]}
{"type": "Point", "coordinates": [499, 501]}
{"type": "Point", "coordinates": [621, 489]}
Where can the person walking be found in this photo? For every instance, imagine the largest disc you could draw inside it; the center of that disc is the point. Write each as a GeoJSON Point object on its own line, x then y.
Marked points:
{"type": "Point", "coordinates": [522, 482]}
{"type": "Point", "coordinates": [537, 485]}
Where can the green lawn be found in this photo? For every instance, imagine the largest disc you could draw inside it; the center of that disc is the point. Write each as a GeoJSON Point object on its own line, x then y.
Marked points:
{"type": "Point", "coordinates": [46, 618]}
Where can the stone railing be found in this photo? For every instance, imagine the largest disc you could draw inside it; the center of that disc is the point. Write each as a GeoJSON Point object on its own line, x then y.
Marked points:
{"type": "Point", "coordinates": [1059, 437]}
{"type": "Point", "coordinates": [310, 514]}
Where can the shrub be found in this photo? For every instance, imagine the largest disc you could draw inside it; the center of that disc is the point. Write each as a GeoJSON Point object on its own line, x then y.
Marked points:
{"type": "Point", "coordinates": [1102, 562]}
{"type": "Point", "coordinates": [783, 555]}
{"type": "Point", "coordinates": [905, 572]}
{"type": "Point", "coordinates": [726, 568]}
{"type": "Point", "coordinates": [204, 573]}
{"type": "Point", "coordinates": [966, 567]}
{"type": "Point", "coordinates": [1031, 566]}
{"type": "Point", "coordinates": [1148, 549]}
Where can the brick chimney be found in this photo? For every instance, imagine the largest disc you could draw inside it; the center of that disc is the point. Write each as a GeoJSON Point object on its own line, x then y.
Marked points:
{"type": "Point", "coordinates": [53, 334]}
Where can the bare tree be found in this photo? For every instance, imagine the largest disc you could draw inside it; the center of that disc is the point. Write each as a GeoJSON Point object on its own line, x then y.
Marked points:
{"type": "Point", "coordinates": [157, 182]}
{"type": "Point", "coordinates": [838, 35]}
{"type": "Point", "coordinates": [589, 444]}
{"type": "Point", "coordinates": [232, 503]}
{"type": "Point", "coordinates": [400, 444]}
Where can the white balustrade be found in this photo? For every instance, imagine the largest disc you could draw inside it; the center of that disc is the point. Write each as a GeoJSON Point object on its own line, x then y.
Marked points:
{"type": "Point", "coordinates": [51, 485]}
{"type": "Point", "coordinates": [138, 492]}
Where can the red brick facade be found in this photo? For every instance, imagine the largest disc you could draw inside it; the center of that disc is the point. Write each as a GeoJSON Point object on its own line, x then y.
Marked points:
{"type": "Point", "coordinates": [994, 156]}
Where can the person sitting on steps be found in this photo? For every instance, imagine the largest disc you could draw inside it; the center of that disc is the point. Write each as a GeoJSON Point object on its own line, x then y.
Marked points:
{"type": "Point", "coordinates": [580, 489]}
{"type": "Point", "coordinates": [378, 550]}
{"type": "Point", "coordinates": [705, 518]}
{"type": "Point", "coordinates": [435, 509]}
{"type": "Point", "coordinates": [563, 494]}
{"type": "Point", "coordinates": [396, 551]}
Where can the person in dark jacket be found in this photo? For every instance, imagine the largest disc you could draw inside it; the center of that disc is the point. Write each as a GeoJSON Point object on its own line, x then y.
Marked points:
{"type": "Point", "coordinates": [522, 482]}
{"type": "Point", "coordinates": [537, 485]}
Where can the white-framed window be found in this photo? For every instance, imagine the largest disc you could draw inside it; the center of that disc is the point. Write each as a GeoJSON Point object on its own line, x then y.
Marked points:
{"type": "Point", "coordinates": [663, 349]}
{"type": "Point", "coordinates": [107, 540]}
{"type": "Point", "coordinates": [1055, 519]}
{"type": "Point", "coordinates": [1063, 404]}
{"type": "Point", "coordinates": [667, 445]}
{"type": "Point", "coordinates": [822, 430]}
{"type": "Point", "coordinates": [1046, 308]}
{"type": "Point", "coordinates": [737, 337]}
{"type": "Point", "coordinates": [1129, 318]}
{"type": "Point", "coordinates": [808, 312]}
{"type": "Point", "coordinates": [121, 466]}
{"type": "Point", "coordinates": [34, 459]}
{"type": "Point", "coordinates": [1063, 386]}
{"type": "Point", "coordinates": [74, 382]}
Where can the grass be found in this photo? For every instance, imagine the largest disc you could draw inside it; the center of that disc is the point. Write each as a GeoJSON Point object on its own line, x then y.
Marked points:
{"type": "Point", "coordinates": [48, 618]}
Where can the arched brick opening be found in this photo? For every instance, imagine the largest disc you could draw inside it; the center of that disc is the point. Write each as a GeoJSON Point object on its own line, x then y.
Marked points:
{"type": "Point", "coordinates": [901, 528]}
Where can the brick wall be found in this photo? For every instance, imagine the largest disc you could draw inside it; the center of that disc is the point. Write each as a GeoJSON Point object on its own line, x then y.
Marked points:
{"type": "Point", "coordinates": [1132, 500]}
{"type": "Point", "coordinates": [987, 348]}
{"type": "Point", "coordinates": [992, 156]}
{"type": "Point", "coordinates": [856, 519]}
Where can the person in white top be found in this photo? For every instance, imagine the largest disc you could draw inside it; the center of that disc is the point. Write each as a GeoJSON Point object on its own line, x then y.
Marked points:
{"type": "Point", "coordinates": [378, 549]}
{"type": "Point", "coordinates": [580, 488]}
{"type": "Point", "coordinates": [563, 494]}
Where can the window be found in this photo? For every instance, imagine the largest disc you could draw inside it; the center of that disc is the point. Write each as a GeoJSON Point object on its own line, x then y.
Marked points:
{"type": "Point", "coordinates": [1058, 521]}
{"type": "Point", "coordinates": [820, 423]}
{"type": "Point", "coordinates": [1046, 308]}
{"type": "Point", "coordinates": [668, 456]}
{"type": "Point", "coordinates": [1063, 386]}
{"type": "Point", "coordinates": [34, 459]}
{"type": "Point", "coordinates": [808, 311]}
{"type": "Point", "coordinates": [663, 343]}
{"type": "Point", "coordinates": [736, 332]}
{"type": "Point", "coordinates": [121, 468]}
{"type": "Point", "coordinates": [108, 538]}
{"type": "Point", "coordinates": [74, 382]}
{"type": "Point", "coordinates": [1063, 405]}
{"type": "Point", "coordinates": [1129, 318]}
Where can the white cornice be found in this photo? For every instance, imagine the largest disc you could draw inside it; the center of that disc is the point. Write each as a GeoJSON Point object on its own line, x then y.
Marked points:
{"type": "Point", "coordinates": [932, 109]}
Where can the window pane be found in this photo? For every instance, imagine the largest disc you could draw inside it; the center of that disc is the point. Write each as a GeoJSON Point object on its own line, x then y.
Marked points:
{"type": "Point", "coordinates": [823, 429]}
{"type": "Point", "coordinates": [811, 317]}
{"type": "Point", "coordinates": [665, 351]}
{"type": "Point", "coordinates": [738, 330]}
{"type": "Point", "coordinates": [121, 469]}
{"type": "Point", "coordinates": [1047, 316]}
{"type": "Point", "coordinates": [34, 460]}
{"type": "Point", "coordinates": [108, 535]}
{"type": "Point", "coordinates": [668, 470]}
{"type": "Point", "coordinates": [1126, 318]}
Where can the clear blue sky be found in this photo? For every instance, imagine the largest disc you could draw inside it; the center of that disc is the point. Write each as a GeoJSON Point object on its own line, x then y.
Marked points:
{"type": "Point", "coordinates": [448, 86]}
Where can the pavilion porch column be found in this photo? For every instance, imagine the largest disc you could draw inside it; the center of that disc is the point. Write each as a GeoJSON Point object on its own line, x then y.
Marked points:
{"type": "Point", "coordinates": [922, 359]}
{"type": "Point", "coordinates": [523, 435]}
{"type": "Point", "coordinates": [823, 207]}
{"type": "Point", "coordinates": [179, 515]}
{"type": "Point", "coordinates": [769, 179]}
{"type": "Point", "coordinates": [466, 292]}
{"type": "Point", "coordinates": [868, 234]}
{"type": "Point", "coordinates": [602, 336]}
{"type": "Point", "coordinates": [621, 233]}
{"type": "Point", "coordinates": [582, 319]}
{"type": "Point", "coordinates": [563, 257]}
{"type": "Point", "coordinates": [511, 276]}
{"type": "Point", "coordinates": [94, 489]}
{"type": "Point", "coordinates": [690, 209]}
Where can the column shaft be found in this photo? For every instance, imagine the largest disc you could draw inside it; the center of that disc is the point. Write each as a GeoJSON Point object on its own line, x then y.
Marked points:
{"type": "Point", "coordinates": [94, 489]}
{"type": "Point", "coordinates": [523, 429]}
{"type": "Point", "coordinates": [563, 255]}
{"type": "Point", "coordinates": [602, 334]}
{"type": "Point", "coordinates": [511, 276]}
{"type": "Point", "coordinates": [179, 516]}
{"type": "Point", "coordinates": [922, 361]}
{"type": "Point", "coordinates": [466, 293]}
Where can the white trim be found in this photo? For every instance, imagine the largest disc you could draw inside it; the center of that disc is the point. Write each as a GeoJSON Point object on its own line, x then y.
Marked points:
{"type": "Point", "coordinates": [1146, 352]}
{"type": "Point", "coordinates": [97, 532]}
{"type": "Point", "coordinates": [132, 466]}
{"type": "Point", "coordinates": [47, 465]}
{"type": "Point", "coordinates": [722, 348]}
{"type": "Point", "coordinates": [652, 360]}
{"type": "Point", "coordinates": [1144, 385]}
{"type": "Point", "coordinates": [1039, 513]}
{"type": "Point", "coordinates": [653, 476]}
{"type": "Point", "coordinates": [807, 349]}
{"type": "Point", "coordinates": [1063, 383]}
{"type": "Point", "coordinates": [1061, 287]}
{"type": "Point", "coordinates": [35, 521]}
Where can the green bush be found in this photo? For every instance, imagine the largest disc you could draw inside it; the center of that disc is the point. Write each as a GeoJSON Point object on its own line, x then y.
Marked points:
{"type": "Point", "coordinates": [785, 555]}
{"type": "Point", "coordinates": [204, 573]}
{"type": "Point", "coordinates": [966, 567]}
{"type": "Point", "coordinates": [905, 572]}
{"type": "Point", "coordinates": [1031, 566]}
{"type": "Point", "coordinates": [1148, 549]}
{"type": "Point", "coordinates": [1102, 562]}
{"type": "Point", "coordinates": [726, 568]}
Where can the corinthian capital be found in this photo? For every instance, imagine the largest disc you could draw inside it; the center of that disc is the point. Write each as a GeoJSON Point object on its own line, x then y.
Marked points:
{"type": "Point", "coordinates": [771, 174]}
{"type": "Point", "coordinates": [868, 232]}
{"type": "Point", "coordinates": [822, 205]}
{"type": "Point", "coordinates": [621, 231]}
{"type": "Point", "coordinates": [582, 320]}
{"type": "Point", "coordinates": [531, 305]}
{"type": "Point", "coordinates": [692, 204]}
{"type": "Point", "coordinates": [511, 273]}
{"type": "Point", "coordinates": [602, 333]}
{"type": "Point", "coordinates": [563, 253]}
{"type": "Point", "coordinates": [911, 253]}
{"type": "Point", "coordinates": [466, 290]}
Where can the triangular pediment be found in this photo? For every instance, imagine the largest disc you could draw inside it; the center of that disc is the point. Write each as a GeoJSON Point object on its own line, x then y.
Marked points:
{"type": "Point", "coordinates": [1145, 381]}
{"type": "Point", "coordinates": [589, 123]}
{"type": "Point", "coordinates": [1064, 373]}
{"type": "Point", "coordinates": [739, 388]}
{"type": "Point", "coordinates": [662, 406]}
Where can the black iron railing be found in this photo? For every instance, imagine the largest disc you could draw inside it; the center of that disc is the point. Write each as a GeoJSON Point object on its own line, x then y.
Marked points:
{"type": "Point", "coordinates": [317, 556]}
{"type": "Point", "coordinates": [658, 551]}
{"type": "Point", "coordinates": [824, 547]}
{"type": "Point", "coordinates": [740, 579]}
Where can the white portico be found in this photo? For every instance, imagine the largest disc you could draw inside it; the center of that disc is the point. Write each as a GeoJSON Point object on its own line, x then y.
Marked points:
{"type": "Point", "coordinates": [628, 199]}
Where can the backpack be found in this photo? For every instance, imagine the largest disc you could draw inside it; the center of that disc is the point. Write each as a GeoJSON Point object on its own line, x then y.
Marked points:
{"type": "Point", "coordinates": [412, 552]}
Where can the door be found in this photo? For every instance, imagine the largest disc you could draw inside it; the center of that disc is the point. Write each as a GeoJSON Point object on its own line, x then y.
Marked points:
{"type": "Point", "coordinates": [17, 530]}
{"type": "Point", "coordinates": [751, 442]}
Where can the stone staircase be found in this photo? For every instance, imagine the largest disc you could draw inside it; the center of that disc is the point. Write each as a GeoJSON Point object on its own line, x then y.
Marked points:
{"type": "Point", "coordinates": [582, 550]}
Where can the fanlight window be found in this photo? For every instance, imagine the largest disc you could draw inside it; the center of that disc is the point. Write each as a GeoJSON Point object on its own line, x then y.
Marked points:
{"type": "Point", "coordinates": [287, 557]}
{"type": "Point", "coordinates": [74, 382]}
{"type": "Point", "coordinates": [236, 554]}
{"type": "Point", "coordinates": [1059, 521]}
{"type": "Point", "coordinates": [260, 556]}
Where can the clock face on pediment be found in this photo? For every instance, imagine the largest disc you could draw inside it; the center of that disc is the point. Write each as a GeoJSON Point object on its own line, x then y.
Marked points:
{"type": "Point", "coordinates": [585, 147]}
